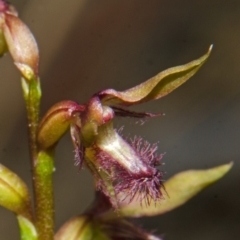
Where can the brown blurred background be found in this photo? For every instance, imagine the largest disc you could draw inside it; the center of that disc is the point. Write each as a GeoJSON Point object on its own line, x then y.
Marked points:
{"type": "Point", "coordinates": [89, 45]}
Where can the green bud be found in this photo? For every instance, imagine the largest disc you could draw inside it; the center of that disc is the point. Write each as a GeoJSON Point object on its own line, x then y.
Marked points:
{"type": "Point", "coordinates": [56, 122]}
{"type": "Point", "coordinates": [14, 194]}
{"type": "Point", "coordinates": [96, 228]}
{"type": "Point", "coordinates": [81, 228]}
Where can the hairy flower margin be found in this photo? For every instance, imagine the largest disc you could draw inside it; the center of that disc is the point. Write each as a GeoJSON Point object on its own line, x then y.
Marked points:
{"type": "Point", "coordinates": [123, 170]}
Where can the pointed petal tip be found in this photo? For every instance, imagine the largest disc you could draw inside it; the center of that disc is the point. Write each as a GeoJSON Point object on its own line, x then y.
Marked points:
{"type": "Point", "coordinates": [228, 166]}
{"type": "Point", "coordinates": [210, 48]}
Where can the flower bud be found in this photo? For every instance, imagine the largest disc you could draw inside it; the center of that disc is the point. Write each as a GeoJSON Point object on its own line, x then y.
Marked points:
{"type": "Point", "coordinates": [82, 227]}
{"type": "Point", "coordinates": [20, 41]}
{"type": "Point", "coordinates": [21, 44]}
{"type": "Point", "coordinates": [56, 122]}
{"type": "Point", "coordinates": [14, 194]}
{"type": "Point", "coordinates": [90, 227]}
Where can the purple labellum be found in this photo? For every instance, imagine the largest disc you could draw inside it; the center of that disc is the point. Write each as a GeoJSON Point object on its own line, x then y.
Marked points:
{"type": "Point", "coordinates": [135, 175]}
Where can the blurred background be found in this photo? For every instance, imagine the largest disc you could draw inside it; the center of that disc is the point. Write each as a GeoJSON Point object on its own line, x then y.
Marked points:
{"type": "Point", "coordinates": [88, 45]}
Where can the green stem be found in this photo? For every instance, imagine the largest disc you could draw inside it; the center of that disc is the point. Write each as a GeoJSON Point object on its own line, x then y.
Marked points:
{"type": "Point", "coordinates": [44, 195]}
{"type": "Point", "coordinates": [42, 164]}
{"type": "Point", "coordinates": [32, 96]}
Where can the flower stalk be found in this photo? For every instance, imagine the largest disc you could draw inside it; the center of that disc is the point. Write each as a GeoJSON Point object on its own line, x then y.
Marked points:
{"type": "Point", "coordinates": [126, 173]}
{"type": "Point", "coordinates": [19, 41]}
{"type": "Point", "coordinates": [41, 162]}
{"type": "Point", "coordinates": [43, 185]}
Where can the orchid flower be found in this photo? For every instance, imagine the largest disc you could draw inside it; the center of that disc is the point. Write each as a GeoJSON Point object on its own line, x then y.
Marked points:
{"type": "Point", "coordinates": [123, 169]}
{"type": "Point", "coordinates": [128, 180]}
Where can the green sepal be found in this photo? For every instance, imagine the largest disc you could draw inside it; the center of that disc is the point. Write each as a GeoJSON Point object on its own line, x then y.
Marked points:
{"type": "Point", "coordinates": [156, 87]}
{"type": "Point", "coordinates": [178, 190]}
{"type": "Point", "coordinates": [27, 229]}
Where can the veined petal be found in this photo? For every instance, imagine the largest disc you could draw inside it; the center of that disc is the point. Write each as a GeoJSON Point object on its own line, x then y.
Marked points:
{"type": "Point", "coordinates": [156, 87]}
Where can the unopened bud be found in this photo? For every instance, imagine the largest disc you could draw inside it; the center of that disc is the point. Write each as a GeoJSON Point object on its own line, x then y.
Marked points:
{"type": "Point", "coordinates": [18, 39]}
{"type": "Point", "coordinates": [14, 193]}
{"type": "Point", "coordinates": [21, 43]}
{"type": "Point", "coordinates": [82, 227]}
{"type": "Point", "coordinates": [56, 122]}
